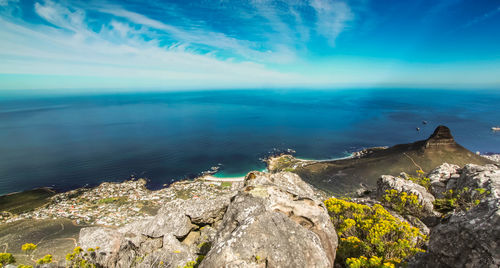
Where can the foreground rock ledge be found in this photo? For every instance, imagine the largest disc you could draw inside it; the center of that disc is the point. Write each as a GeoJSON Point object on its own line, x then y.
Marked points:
{"type": "Point", "coordinates": [274, 221]}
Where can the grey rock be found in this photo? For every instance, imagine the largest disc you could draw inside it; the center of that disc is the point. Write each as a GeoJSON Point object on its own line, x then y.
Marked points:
{"type": "Point", "coordinates": [439, 178]}
{"type": "Point", "coordinates": [171, 237]}
{"type": "Point", "coordinates": [471, 238]}
{"type": "Point", "coordinates": [107, 239]}
{"type": "Point", "coordinates": [274, 222]}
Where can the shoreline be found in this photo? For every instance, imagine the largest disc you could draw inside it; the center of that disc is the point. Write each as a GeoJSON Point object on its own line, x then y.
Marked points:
{"type": "Point", "coordinates": [236, 178]}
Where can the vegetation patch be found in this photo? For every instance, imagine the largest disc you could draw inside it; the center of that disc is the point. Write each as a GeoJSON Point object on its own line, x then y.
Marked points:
{"type": "Point", "coordinates": [6, 258]}
{"type": "Point", "coordinates": [282, 163]}
{"type": "Point", "coordinates": [371, 236]}
{"type": "Point", "coordinates": [28, 247]}
{"type": "Point", "coordinates": [420, 179]}
{"type": "Point", "coordinates": [17, 203]}
{"type": "Point", "coordinates": [402, 202]}
{"type": "Point", "coordinates": [196, 263]}
{"type": "Point", "coordinates": [460, 200]}
{"type": "Point", "coordinates": [118, 200]}
{"type": "Point", "coordinates": [184, 194]}
{"type": "Point", "coordinates": [46, 259]}
{"type": "Point", "coordinates": [76, 258]}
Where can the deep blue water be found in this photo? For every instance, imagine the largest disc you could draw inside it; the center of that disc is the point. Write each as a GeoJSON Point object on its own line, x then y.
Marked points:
{"type": "Point", "coordinates": [68, 141]}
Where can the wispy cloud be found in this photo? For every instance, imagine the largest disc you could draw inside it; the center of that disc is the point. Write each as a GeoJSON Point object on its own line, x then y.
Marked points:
{"type": "Point", "coordinates": [72, 48]}
{"type": "Point", "coordinates": [333, 17]}
{"type": "Point", "coordinates": [483, 17]}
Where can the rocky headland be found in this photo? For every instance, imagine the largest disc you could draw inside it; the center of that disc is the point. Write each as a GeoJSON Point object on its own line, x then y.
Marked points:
{"type": "Point", "coordinates": [445, 216]}
{"type": "Point", "coordinates": [362, 169]}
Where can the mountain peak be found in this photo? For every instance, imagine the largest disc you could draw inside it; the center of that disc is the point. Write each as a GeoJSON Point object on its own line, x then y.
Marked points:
{"type": "Point", "coordinates": [441, 136]}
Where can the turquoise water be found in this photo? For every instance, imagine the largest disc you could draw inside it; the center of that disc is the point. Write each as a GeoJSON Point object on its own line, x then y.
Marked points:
{"type": "Point", "coordinates": [67, 141]}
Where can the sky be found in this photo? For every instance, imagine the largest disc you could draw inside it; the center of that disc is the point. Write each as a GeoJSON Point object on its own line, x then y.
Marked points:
{"type": "Point", "coordinates": [219, 44]}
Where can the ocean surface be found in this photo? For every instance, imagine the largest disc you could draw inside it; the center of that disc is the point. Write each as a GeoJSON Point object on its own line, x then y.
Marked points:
{"type": "Point", "coordinates": [70, 140]}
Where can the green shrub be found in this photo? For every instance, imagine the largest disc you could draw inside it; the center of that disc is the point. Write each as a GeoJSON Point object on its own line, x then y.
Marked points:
{"type": "Point", "coordinates": [421, 179]}
{"type": "Point", "coordinates": [119, 200]}
{"type": "Point", "coordinates": [461, 200]}
{"type": "Point", "coordinates": [194, 264]}
{"type": "Point", "coordinates": [46, 259]}
{"type": "Point", "coordinates": [402, 202]}
{"type": "Point", "coordinates": [6, 258]}
{"type": "Point", "coordinates": [371, 236]}
{"type": "Point", "coordinates": [76, 260]}
{"type": "Point", "coordinates": [226, 184]}
{"type": "Point", "coordinates": [24, 266]}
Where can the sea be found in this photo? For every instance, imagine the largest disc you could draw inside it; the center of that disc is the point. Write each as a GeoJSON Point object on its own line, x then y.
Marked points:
{"type": "Point", "coordinates": [67, 140]}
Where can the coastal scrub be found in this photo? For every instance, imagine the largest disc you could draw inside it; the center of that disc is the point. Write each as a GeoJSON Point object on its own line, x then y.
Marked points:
{"type": "Point", "coordinates": [371, 236]}
{"type": "Point", "coordinates": [46, 259]}
{"type": "Point", "coordinates": [6, 258]}
{"type": "Point", "coordinates": [460, 200]}
{"type": "Point", "coordinates": [28, 247]}
{"type": "Point", "coordinates": [402, 202]}
{"type": "Point", "coordinates": [421, 179]}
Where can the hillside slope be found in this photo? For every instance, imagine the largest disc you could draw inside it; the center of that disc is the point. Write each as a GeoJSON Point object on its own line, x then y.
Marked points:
{"type": "Point", "coordinates": [346, 175]}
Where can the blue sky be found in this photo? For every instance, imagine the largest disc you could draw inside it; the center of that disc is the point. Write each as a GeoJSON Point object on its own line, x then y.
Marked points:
{"type": "Point", "coordinates": [51, 44]}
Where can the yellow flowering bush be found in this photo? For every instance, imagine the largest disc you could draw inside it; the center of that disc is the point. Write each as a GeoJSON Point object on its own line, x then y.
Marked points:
{"type": "Point", "coordinates": [371, 236]}
{"type": "Point", "coordinates": [6, 258]}
{"type": "Point", "coordinates": [46, 259]}
{"type": "Point", "coordinates": [402, 202]}
{"type": "Point", "coordinates": [28, 247]}
{"type": "Point", "coordinates": [421, 179]}
{"type": "Point", "coordinates": [76, 259]}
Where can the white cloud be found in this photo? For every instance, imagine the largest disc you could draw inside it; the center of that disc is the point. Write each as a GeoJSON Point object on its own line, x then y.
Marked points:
{"type": "Point", "coordinates": [332, 18]}
{"type": "Point", "coordinates": [117, 51]}
{"type": "Point", "coordinates": [216, 40]}
{"type": "Point", "coordinates": [61, 16]}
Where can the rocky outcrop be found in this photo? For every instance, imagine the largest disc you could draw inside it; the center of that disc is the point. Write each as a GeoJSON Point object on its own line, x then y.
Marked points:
{"type": "Point", "coordinates": [469, 238]}
{"type": "Point", "coordinates": [387, 182]}
{"type": "Point", "coordinates": [175, 236]}
{"type": "Point", "coordinates": [441, 137]}
{"type": "Point", "coordinates": [274, 220]}
{"type": "Point", "coordinates": [493, 157]}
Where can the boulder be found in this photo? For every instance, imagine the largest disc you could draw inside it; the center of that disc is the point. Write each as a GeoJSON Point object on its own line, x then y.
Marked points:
{"type": "Point", "coordinates": [174, 234]}
{"type": "Point", "coordinates": [470, 238]}
{"type": "Point", "coordinates": [274, 221]}
{"type": "Point", "coordinates": [440, 176]}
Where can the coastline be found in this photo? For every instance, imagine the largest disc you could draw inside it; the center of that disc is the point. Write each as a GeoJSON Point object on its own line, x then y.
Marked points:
{"type": "Point", "coordinates": [214, 175]}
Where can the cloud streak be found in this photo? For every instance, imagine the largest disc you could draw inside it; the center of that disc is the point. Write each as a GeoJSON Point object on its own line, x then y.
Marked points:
{"type": "Point", "coordinates": [333, 17]}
